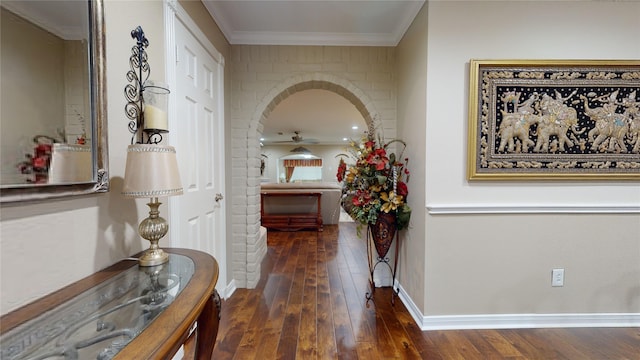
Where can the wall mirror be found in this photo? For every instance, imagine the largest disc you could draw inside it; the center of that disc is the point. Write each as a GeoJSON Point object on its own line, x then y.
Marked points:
{"type": "Point", "coordinates": [53, 117]}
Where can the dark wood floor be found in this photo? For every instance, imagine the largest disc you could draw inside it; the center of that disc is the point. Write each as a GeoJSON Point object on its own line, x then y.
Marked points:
{"type": "Point", "coordinates": [310, 304]}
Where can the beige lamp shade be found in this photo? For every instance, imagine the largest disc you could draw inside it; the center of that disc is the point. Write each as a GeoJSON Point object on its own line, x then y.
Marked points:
{"type": "Point", "coordinates": [70, 163]}
{"type": "Point", "coordinates": [151, 171]}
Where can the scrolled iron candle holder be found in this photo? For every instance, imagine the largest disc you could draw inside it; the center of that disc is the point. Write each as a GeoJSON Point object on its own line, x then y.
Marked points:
{"type": "Point", "coordinates": [138, 77]}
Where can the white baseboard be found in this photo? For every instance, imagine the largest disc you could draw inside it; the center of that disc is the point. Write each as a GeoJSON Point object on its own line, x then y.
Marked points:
{"type": "Point", "coordinates": [459, 209]}
{"type": "Point", "coordinates": [229, 290]}
{"type": "Point", "coordinates": [516, 321]}
{"type": "Point", "coordinates": [526, 321]}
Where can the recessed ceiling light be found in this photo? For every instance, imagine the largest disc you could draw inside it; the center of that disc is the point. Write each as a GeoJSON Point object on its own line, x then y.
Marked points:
{"type": "Point", "coordinates": [261, 139]}
{"type": "Point", "coordinates": [355, 127]}
{"type": "Point", "coordinates": [344, 139]}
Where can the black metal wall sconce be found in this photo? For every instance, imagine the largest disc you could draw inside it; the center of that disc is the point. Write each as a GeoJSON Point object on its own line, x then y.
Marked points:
{"type": "Point", "coordinates": [147, 106]}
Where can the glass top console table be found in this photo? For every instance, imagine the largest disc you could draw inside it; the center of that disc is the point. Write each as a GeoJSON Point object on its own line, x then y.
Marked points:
{"type": "Point", "coordinates": [122, 312]}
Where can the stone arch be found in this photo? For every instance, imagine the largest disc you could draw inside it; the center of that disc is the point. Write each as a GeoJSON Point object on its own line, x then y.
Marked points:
{"type": "Point", "coordinates": [272, 98]}
{"type": "Point", "coordinates": [340, 86]}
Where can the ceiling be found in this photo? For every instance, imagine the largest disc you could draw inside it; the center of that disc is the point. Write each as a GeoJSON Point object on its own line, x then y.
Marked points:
{"type": "Point", "coordinates": [66, 19]}
{"type": "Point", "coordinates": [320, 116]}
{"type": "Point", "coordinates": [314, 22]}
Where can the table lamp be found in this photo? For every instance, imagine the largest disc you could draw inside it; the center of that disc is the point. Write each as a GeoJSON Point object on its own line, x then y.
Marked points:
{"type": "Point", "coordinates": [70, 163]}
{"type": "Point", "coordinates": [152, 171]}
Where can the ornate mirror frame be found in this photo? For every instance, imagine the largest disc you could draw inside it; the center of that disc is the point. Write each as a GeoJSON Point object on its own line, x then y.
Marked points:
{"type": "Point", "coordinates": [100, 181]}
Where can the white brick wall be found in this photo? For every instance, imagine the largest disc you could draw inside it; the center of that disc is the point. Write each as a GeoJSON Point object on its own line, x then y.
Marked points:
{"type": "Point", "coordinates": [263, 76]}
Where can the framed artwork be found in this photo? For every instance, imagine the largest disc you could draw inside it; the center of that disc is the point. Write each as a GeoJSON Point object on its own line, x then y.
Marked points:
{"type": "Point", "coordinates": [554, 119]}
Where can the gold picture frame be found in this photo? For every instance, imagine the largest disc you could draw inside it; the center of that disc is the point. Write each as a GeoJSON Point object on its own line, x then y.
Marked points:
{"type": "Point", "coordinates": [554, 119]}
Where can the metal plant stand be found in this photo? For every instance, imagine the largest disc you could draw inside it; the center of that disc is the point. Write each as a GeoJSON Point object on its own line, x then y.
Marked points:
{"type": "Point", "coordinates": [375, 259]}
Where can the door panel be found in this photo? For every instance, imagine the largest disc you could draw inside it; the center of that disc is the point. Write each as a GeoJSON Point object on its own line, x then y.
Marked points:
{"type": "Point", "coordinates": [200, 143]}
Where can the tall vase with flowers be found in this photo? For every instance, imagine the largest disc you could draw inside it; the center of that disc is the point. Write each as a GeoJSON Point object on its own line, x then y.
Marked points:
{"type": "Point", "coordinates": [375, 188]}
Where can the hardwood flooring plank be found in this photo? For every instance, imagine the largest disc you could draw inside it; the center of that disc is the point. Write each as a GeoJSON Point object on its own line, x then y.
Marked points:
{"type": "Point", "coordinates": [271, 333]}
{"type": "Point", "coordinates": [384, 339]}
{"type": "Point", "coordinates": [345, 341]}
{"type": "Point", "coordinates": [626, 341]}
{"type": "Point", "coordinates": [605, 344]}
{"type": "Point", "coordinates": [324, 321]}
{"type": "Point", "coordinates": [441, 346]}
{"type": "Point", "coordinates": [413, 331]}
{"type": "Point", "coordinates": [307, 337]}
{"type": "Point", "coordinates": [503, 346]}
{"type": "Point", "coordinates": [561, 344]}
{"type": "Point", "coordinates": [401, 340]}
{"type": "Point", "coordinates": [354, 300]}
{"type": "Point", "coordinates": [529, 346]}
{"type": "Point", "coordinates": [262, 335]}
{"type": "Point", "coordinates": [232, 331]}
{"type": "Point", "coordinates": [484, 349]}
{"type": "Point", "coordinates": [251, 338]}
{"type": "Point", "coordinates": [368, 350]}
{"type": "Point", "coordinates": [287, 346]}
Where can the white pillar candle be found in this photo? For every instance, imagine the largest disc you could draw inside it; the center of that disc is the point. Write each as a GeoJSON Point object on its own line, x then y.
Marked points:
{"type": "Point", "coordinates": [155, 118]}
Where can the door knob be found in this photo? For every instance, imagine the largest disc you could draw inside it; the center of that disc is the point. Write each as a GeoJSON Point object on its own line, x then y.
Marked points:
{"type": "Point", "coordinates": [219, 197]}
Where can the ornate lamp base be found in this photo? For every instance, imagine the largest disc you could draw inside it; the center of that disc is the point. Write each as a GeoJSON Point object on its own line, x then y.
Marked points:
{"type": "Point", "coordinates": [153, 229]}
{"type": "Point", "coordinates": [153, 257]}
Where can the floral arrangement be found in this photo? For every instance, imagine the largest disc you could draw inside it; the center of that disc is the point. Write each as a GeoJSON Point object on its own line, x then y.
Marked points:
{"type": "Point", "coordinates": [37, 164]}
{"type": "Point", "coordinates": [376, 183]}
{"type": "Point", "coordinates": [342, 170]}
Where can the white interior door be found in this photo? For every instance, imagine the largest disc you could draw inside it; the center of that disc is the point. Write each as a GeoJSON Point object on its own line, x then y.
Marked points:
{"type": "Point", "coordinates": [199, 219]}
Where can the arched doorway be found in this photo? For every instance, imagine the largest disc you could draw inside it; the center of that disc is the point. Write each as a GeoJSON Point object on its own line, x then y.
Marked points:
{"type": "Point", "coordinates": [254, 249]}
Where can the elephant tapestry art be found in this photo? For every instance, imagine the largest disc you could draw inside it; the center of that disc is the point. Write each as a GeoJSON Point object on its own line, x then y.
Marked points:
{"type": "Point", "coordinates": [554, 120]}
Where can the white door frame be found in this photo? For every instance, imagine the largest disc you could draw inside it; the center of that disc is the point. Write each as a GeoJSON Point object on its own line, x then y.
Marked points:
{"type": "Point", "coordinates": [174, 12]}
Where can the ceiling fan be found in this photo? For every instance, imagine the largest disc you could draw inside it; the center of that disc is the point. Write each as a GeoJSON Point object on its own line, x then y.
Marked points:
{"type": "Point", "coordinates": [297, 139]}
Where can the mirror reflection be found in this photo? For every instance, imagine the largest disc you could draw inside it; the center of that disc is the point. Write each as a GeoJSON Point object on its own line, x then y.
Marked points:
{"type": "Point", "coordinates": [46, 117]}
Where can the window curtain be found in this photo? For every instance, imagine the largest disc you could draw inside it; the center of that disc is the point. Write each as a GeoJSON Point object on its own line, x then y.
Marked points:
{"type": "Point", "coordinates": [289, 173]}
{"type": "Point", "coordinates": [302, 162]}
{"type": "Point", "coordinates": [290, 165]}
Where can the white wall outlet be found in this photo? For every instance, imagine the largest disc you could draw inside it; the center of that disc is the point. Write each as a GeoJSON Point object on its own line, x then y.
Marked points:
{"type": "Point", "coordinates": [557, 277]}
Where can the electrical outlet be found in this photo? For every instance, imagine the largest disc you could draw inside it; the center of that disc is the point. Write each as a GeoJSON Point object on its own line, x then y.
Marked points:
{"type": "Point", "coordinates": [557, 277]}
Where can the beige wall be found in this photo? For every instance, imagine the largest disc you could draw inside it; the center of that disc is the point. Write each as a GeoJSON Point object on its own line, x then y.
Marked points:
{"type": "Point", "coordinates": [30, 58]}
{"type": "Point", "coordinates": [501, 263]}
{"type": "Point", "coordinates": [200, 15]}
{"type": "Point", "coordinates": [76, 91]}
{"type": "Point", "coordinates": [412, 80]}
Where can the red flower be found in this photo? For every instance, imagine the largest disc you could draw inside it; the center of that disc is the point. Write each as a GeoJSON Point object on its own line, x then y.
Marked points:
{"type": "Point", "coordinates": [369, 144]}
{"type": "Point", "coordinates": [378, 158]}
{"type": "Point", "coordinates": [39, 162]}
{"type": "Point", "coordinates": [42, 149]}
{"type": "Point", "coordinates": [342, 169]}
{"type": "Point", "coordinates": [362, 198]}
{"type": "Point", "coordinates": [401, 189]}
